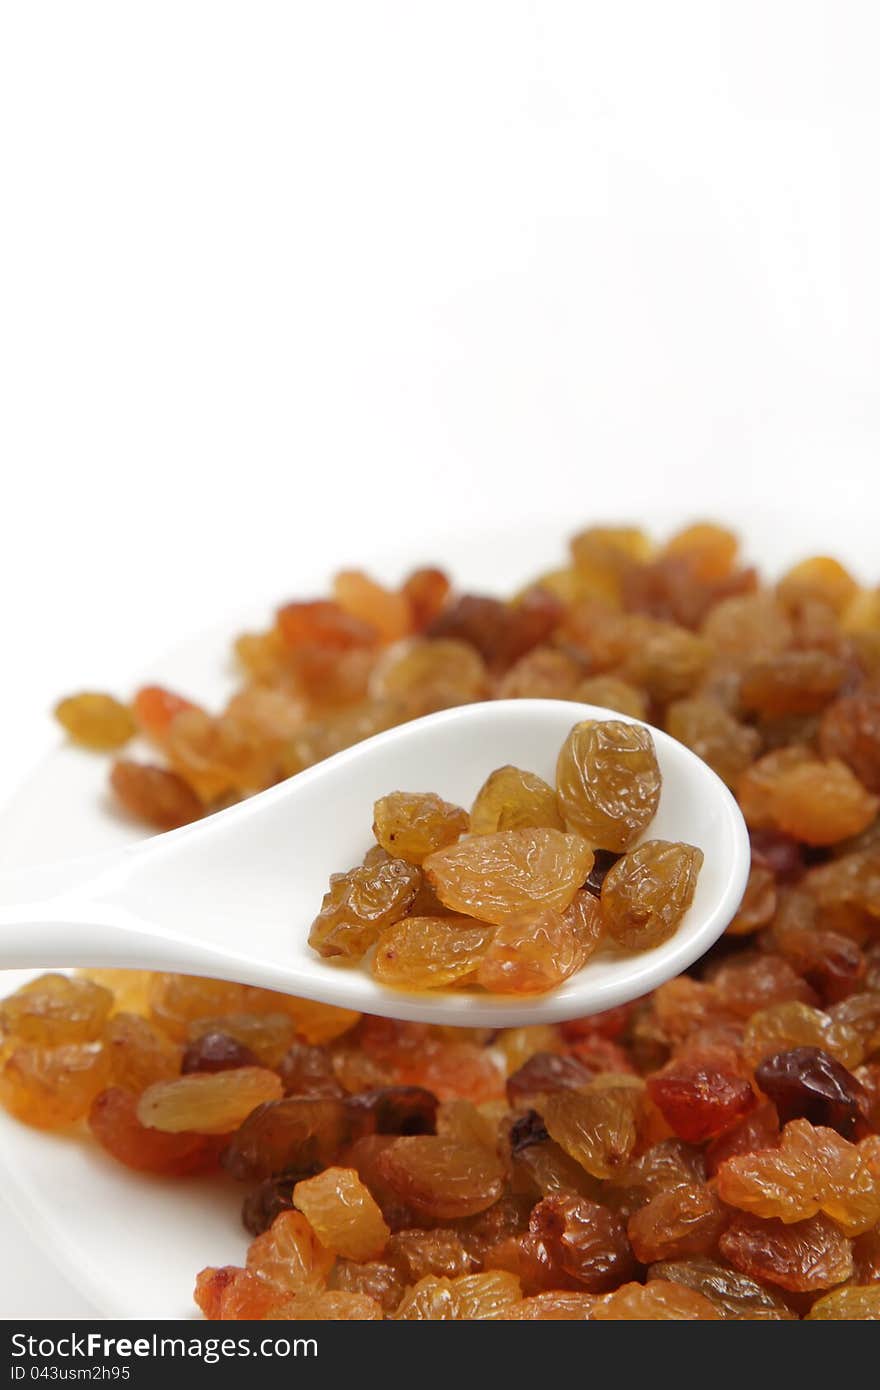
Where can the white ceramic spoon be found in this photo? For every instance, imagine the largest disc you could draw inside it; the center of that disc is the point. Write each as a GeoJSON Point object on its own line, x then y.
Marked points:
{"type": "Point", "coordinates": [233, 896]}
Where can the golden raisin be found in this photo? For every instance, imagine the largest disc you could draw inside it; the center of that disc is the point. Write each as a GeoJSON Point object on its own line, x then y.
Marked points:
{"type": "Point", "coordinates": [681, 1221]}
{"type": "Point", "coordinates": [597, 1127]}
{"type": "Point", "coordinates": [267, 1036]}
{"type": "Point", "coordinates": [430, 952]}
{"type": "Point", "coordinates": [646, 893]}
{"type": "Point", "coordinates": [359, 904]}
{"type": "Point", "coordinates": [612, 692]}
{"type": "Point", "coordinates": [820, 577]}
{"type": "Point", "coordinates": [793, 1023]}
{"type": "Point", "coordinates": [663, 658]}
{"type": "Point", "coordinates": [728, 746]}
{"type": "Point", "coordinates": [130, 988]}
{"type": "Point", "coordinates": [510, 874]}
{"type": "Point", "coordinates": [290, 1257]}
{"type": "Point", "coordinates": [96, 721]}
{"type": "Point", "coordinates": [207, 1102]}
{"type": "Point", "coordinates": [813, 801]}
{"type": "Point", "coordinates": [796, 682]}
{"type": "Point", "coordinates": [534, 954]}
{"type": "Point", "coordinates": [544, 673]}
{"type": "Point", "coordinates": [342, 1213]}
{"type": "Point", "coordinates": [52, 1087]}
{"type": "Point", "coordinates": [53, 1009]}
{"type": "Point", "coordinates": [812, 1170]}
{"type": "Point", "coordinates": [470, 1297]}
{"type": "Point", "coordinates": [230, 1294]}
{"type": "Point", "coordinates": [608, 782]}
{"type": "Point", "coordinates": [411, 825]}
{"type": "Point", "coordinates": [139, 1053]}
{"type": "Point", "coordinates": [431, 673]}
{"type": "Point", "coordinates": [851, 1304]}
{"type": "Point", "coordinates": [656, 1301]}
{"type": "Point", "coordinates": [710, 550]}
{"type": "Point", "coordinates": [511, 799]}
{"type": "Point", "coordinates": [603, 554]}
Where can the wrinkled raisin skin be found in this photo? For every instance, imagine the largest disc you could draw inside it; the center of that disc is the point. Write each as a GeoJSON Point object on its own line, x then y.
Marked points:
{"type": "Point", "coordinates": [700, 1098]}
{"type": "Point", "coordinates": [608, 782]}
{"type": "Point", "coordinates": [807, 1082]}
{"type": "Point", "coordinates": [501, 878]}
{"type": "Point", "coordinates": [804, 1257]}
{"type": "Point", "coordinates": [646, 894]}
{"type": "Point", "coordinates": [585, 1241]}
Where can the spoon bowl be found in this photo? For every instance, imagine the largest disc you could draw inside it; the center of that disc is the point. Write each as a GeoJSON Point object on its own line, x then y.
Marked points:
{"type": "Point", "coordinates": [232, 896]}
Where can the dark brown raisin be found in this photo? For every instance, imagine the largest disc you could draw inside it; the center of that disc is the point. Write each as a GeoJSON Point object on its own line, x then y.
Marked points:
{"type": "Point", "coordinates": [808, 1083]}
{"type": "Point", "coordinates": [602, 862]}
{"type": "Point", "coordinates": [481, 622]}
{"type": "Point", "coordinates": [394, 1110]}
{"type": "Point", "coordinates": [268, 1200]}
{"type": "Point", "coordinates": [527, 1131]}
{"type": "Point", "coordinates": [298, 1132]}
{"type": "Point", "coordinates": [501, 632]}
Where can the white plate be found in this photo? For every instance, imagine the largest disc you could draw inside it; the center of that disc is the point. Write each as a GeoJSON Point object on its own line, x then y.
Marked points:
{"type": "Point", "coordinates": [134, 1244]}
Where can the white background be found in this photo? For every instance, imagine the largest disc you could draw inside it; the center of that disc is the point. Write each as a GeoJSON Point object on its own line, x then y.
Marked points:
{"type": "Point", "coordinates": [286, 284]}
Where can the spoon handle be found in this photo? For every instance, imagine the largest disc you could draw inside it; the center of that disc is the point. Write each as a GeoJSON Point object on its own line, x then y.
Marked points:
{"type": "Point", "coordinates": [24, 890]}
{"type": "Point", "coordinates": [49, 941]}
{"type": "Point", "coordinates": [55, 935]}
{"type": "Point", "coordinates": [65, 914]}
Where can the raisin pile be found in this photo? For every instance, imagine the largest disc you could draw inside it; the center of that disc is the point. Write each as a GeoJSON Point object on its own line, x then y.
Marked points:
{"type": "Point", "coordinates": [447, 898]}
{"type": "Point", "coordinates": [710, 1151]}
